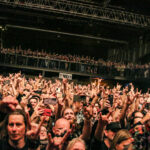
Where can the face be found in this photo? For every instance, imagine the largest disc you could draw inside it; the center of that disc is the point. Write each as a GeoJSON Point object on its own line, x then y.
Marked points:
{"type": "Point", "coordinates": [78, 105]}
{"type": "Point", "coordinates": [87, 99]}
{"type": "Point", "coordinates": [97, 106]}
{"type": "Point", "coordinates": [33, 102]}
{"type": "Point", "coordinates": [43, 133]}
{"type": "Point", "coordinates": [141, 100]}
{"type": "Point", "coordinates": [16, 127]}
{"type": "Point", "coordinates": [61, 126]}
{"type": "Point", "coordinates": [69, 115]}
{"type": "Point", "coordinates": [125, 145]}
{"type": "Point", "coordinates": [94, 112]}
{"type": "Point", "coordinates": [110, 134]}
{"type": "Point", "coordinates": [78, 146]}
{"type": "Point", "coordinates": [110, 119]}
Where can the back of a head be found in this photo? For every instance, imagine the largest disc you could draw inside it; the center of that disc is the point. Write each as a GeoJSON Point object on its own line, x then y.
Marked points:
{"type": "Point", "coordinates": [72, 144]}
{"type": "Point", "coordinates": [120, 136]}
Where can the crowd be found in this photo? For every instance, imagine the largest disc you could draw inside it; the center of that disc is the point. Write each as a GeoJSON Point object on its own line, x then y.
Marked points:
{"type": "Point", "coordinates": [44, 114]}
{"type": "Point", "coordinates": [69, 62]}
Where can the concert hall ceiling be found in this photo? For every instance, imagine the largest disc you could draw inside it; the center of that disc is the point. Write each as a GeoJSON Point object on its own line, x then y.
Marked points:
{"type": "Point", "coordinates": [92, 24]}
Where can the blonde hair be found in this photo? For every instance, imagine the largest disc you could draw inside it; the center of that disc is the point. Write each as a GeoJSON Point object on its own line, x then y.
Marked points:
{"type": "Point", "coordinates": [74, 141]}
{"type": "Point", "coordinates": [120, 136]}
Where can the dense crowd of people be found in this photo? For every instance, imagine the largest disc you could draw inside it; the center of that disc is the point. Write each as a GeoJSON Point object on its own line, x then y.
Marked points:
{"type": "Point", "coordinates": [45, 114]}
{"type": "Point", "coordinates": [69, 62]}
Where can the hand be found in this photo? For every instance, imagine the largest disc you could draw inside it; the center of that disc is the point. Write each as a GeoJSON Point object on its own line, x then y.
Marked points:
{"type": "Point", "coordinates": [33, 134]}
{"type": "Point", "coordinates": [105, 104]}
{"type": "Point", "coordinates": [61, 102]}
{"type": "Point", "coordinates": [146, 118]}
{"type": "Point", "coordinates": [100, 80]}
{"type": "Point", "coordinates": [118, 86]}
{"type": "Point", "coordinates": [88, 112]}
{"type": "Point", "coordinates": [56, 143]}
{"type": "Point", "coordinates": [40, 76]}
{"type": "Point", "coordinates": [40, 111]}
{"type": "Point", "coordinates": [130, 100]}
{"type": "Point", "coordinates": [8, 104]}
{"type": "Point", "coordinates": [103, 119]}
{"type": "Point", "coordinates": [65, 81]}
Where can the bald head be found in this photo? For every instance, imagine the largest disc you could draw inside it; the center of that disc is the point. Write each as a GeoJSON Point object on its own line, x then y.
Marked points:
{"type": "Point", "coordinates": [61, 126]}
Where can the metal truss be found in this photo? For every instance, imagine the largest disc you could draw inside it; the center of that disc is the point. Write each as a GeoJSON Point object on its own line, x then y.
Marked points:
{"type": "Point", "coordinates": [84, 11]}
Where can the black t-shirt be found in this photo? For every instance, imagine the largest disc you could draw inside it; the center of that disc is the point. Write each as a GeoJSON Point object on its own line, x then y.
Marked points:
{"type": "Point", "coordinates": [4, 145]}
{"type": "Point", "coordinates": [98, 145]}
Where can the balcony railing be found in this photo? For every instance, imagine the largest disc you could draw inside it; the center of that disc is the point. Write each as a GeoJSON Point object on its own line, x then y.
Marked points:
{"type": "Point", "coordinates": [24, 61]}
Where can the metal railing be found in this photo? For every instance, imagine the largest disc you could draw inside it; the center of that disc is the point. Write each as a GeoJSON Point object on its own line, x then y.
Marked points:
{"type": "Point", "coordinates": [68, 66]}
{"type": "Point", "coordinates": [84, 11]}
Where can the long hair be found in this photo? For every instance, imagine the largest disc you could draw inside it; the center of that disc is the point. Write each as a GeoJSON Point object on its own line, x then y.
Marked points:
{"type": "Point", "coordinates": [16, 112]}
{"type": "Point", "coordinates": [120, 136]}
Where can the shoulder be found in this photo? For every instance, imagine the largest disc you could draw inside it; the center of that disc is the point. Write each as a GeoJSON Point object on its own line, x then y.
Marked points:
{"type": "Point", "coordinates": [3, 144]}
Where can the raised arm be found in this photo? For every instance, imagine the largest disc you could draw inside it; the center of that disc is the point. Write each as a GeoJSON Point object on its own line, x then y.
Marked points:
{"type": "Point", "coordinates": [102, 122]}
{"type": "Point", "coordinates": [87, 128]}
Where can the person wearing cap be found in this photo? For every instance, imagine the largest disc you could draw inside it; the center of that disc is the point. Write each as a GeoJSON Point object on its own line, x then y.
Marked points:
{"type": "Point", "coordinates": [104, 133]}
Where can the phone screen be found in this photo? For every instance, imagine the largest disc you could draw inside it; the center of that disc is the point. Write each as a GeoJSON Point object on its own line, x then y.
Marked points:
{"type": "Point", "coordinates": [83, 97]}
{"type": "Point", "coordinates": [110, 98]}
{"type": "Point", "coordinates": [51, 101]}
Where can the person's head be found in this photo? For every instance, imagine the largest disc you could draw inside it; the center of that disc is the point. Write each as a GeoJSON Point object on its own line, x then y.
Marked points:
{"type": "Point", "coordinates": [69, 115]}
{"type": "Point", "coordinates": [137, 126]}
{"type": "Point", "coordinates": [16, 126]}
{"type": "Point", "coordinates": [43, 133]}
{"type": "Point", "coordinates": [141, 99]}
{"type": "Point", "coordinates": [77, 101]}
{"type": "Point", "coordinates": [97, 106]}
{"type": "Point", "coordinates": [111, 130]}
{"type": "Point", "coordinates": [87, 99]}
{"type": "Point", "coordinates": [95, 112]}
{"type": "Point", "coordinates": [122, 140]}
{"type": "Point", "coordinates": [33, 101]}
{"type": "Point", "coordinates": [61, 126]}
{"type": "Point", "coordinates": [76, 144]}
{"type": "Point", "coordinates": [136, 117]}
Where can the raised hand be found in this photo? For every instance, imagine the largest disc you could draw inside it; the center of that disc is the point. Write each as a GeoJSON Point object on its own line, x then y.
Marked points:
{"type": "Point", "coordinates": [33, 134]}
{"type": "Point", "coordinates": [131, 100]}
{"type": "Point", "coordinates": [118, 86]}
{"type": "Point", "coordinates": [57, 143]}
{"type": "Point", "coordinates": [103, 119]}
{"type": "Point", "coordinates": [65, 81]}
{"type": "Point", "coordinates": [88, 112]}
{"type": "Point", "coordinates": [8, 104]}
{"type": "Point", "coordinates": [102, 122]}
{"type": "Point", "coordinates": [105, 104]}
